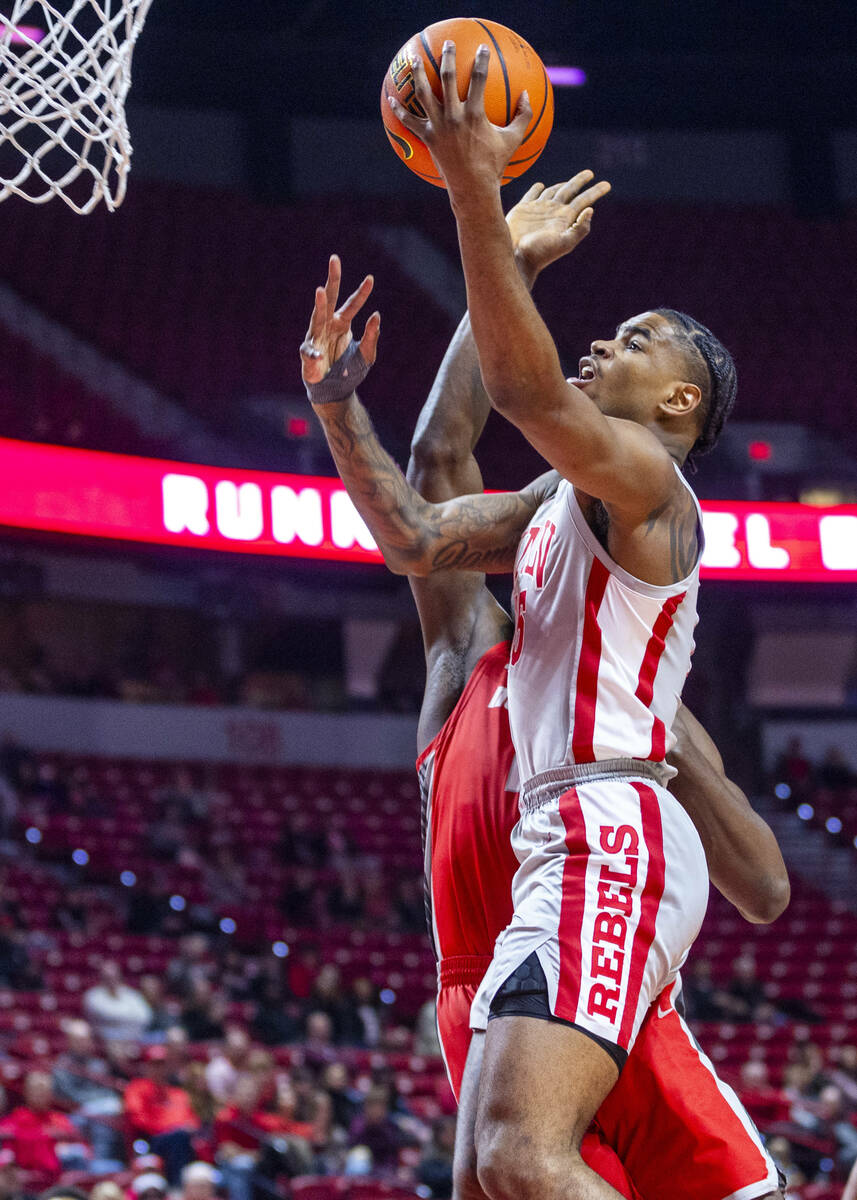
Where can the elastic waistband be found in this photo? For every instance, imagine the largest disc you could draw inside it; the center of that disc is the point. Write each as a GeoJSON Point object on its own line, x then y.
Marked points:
{"type": "Point", "coordinates": [549, 785]}
{"type": "Point", "coordinates": [462, 969]}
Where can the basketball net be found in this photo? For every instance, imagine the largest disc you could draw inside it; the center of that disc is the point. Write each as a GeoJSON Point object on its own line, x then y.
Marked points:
{"type": "Point", "coordinates": [65, 71]}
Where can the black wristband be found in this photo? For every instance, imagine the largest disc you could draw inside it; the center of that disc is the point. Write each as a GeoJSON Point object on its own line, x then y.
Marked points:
{"type": "Point", "coordinates": [346, 374]}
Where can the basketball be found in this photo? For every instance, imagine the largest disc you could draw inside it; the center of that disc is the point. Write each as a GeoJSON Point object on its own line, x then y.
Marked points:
{"type": "Point", "coordinates": [514, 67]}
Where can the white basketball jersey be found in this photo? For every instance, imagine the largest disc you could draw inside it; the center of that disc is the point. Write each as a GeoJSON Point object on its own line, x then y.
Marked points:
{"type": "Point", "coordinates": [599, 658]}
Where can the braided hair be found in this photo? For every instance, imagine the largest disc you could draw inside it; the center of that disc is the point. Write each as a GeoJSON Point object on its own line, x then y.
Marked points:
{"type": "Point", "coordinates": [715, 375]}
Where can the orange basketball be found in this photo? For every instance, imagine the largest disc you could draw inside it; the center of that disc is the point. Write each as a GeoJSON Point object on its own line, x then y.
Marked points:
{"type": "Point", "coordinates": [514, 67]}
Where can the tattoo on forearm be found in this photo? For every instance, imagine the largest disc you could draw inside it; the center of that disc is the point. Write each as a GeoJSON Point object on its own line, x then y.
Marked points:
{"type": "Point", "coordinates": [475, 532]}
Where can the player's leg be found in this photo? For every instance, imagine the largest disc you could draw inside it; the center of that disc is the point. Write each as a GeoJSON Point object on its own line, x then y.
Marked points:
{"type": "Point", "coordinates": [670, 1096]}
{"type": "Point", "coordinates": [542, 1082]}
{"type": "Point", "coordinates": [465, 1179]}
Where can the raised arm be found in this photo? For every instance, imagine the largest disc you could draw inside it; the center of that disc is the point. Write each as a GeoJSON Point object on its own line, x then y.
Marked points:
{"type": "Point", "coordinates": [473, 532]}
{"type": "Point", "coordinates": [619, 461]}
{"type": "Point", "coordinates": [744, 860]}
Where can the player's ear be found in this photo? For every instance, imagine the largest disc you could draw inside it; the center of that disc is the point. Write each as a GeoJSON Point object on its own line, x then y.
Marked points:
{"type": "Point", "coordinates": [682, 399]}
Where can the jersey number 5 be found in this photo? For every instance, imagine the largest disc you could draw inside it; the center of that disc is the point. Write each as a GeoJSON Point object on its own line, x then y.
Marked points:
{"type": "Point", "coordinates": [518, 641]}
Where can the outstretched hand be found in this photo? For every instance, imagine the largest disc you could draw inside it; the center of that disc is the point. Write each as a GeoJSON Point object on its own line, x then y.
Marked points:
{"type": "Point", "coordinates": [548, 222]}
{"type": "Point", "coordinates": [462, 141]}
{"type": "Point", "coordinates": [329, 334]}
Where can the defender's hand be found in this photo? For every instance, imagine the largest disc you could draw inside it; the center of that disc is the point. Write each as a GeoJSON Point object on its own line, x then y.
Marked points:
{"type": "Point", "coordinates": [329, 333]}
{"type": "Point", "coordinates": [548, 222]}
{"type": "Point", "coordinates": [464, 144]}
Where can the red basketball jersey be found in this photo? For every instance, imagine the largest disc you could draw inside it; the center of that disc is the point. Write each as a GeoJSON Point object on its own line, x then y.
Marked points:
{"type": "Point", "coordinates": [469, 787]}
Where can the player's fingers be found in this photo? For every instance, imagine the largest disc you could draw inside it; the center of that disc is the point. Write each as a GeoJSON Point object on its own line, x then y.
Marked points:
{"type": "Point", "coordinates": [566, 191]}
{"type": "Point", "coordinates": [523, 115]}
{"type": "Point", "coordinates": [478, 79]}
{"type": "Point", "coordinates": [347, 312]}
{"type": "Point", "coordinates": [334, 279]}
{"type": "Point", "coordinates": [449, 78]}
{"type": "Point", "coordinates": [588, 197]}
{"type": "Point", "coordinates": [550, 192]}
{"type": "Point", "coordinates": [318, 320]}
{"type": "Point", "coordinates": [533, 193]}
{"type": "Point", "coordinates": [422, 87]}
{"type": "Point", "coordinates": [369, 341]}
{"type": "Point", "coordinates": [416, 125]}
{"type": "Point", "coordinates": [581, 226]}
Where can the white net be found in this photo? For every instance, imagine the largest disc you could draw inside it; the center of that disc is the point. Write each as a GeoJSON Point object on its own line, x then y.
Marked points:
{"type": "Point", "coordinates": [65, 71]}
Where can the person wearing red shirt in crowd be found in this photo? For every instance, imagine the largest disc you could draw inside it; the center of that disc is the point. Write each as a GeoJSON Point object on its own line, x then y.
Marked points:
{"type": "Point", "coordinates": [162, 1113]}
{"type": "Point", "coordinates": [42, 1139]}
{"type": "Point", "coordinates": [244, 1128]}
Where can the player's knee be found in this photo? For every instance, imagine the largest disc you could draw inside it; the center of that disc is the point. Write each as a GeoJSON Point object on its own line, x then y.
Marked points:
{"type": "Point", "coordinates": [505, 1165]}
{"type": "Point", "coordinates": [465, 1181]}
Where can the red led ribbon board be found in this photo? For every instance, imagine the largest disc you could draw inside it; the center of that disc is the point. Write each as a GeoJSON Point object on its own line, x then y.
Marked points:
{"type": "Point", "coordinates": [53, 489]}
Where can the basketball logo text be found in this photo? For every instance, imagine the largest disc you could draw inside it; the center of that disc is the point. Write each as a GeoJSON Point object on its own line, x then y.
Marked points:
{"type": "Point", "coordinates": [403, 79]}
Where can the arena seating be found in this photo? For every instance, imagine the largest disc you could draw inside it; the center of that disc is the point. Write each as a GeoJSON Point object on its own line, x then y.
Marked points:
{"type": "Point", "coordinates": [206, 295]}
{"type": "Point", "coordinates": [39, 402]}
{"type": "Point", "coordinates": [805, 960]}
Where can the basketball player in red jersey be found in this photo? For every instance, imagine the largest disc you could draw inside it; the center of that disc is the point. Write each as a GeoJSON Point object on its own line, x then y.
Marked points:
{"type": "Point", "coordinates": [466, 768]}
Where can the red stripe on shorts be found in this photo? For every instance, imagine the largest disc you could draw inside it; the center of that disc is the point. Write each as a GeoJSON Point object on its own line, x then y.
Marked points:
{"type": "Point", "coordinates": [586, 689]}
{"type": "Point", "coordinates": [653, 889]}
{"type": "Point", "coordinates": [572, 906]}
{"type": "Point", "coordinates": [649, 669]}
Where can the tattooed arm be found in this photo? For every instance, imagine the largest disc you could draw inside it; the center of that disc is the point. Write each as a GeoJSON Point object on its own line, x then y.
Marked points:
{"type": "Point", "coordinates": [475, 532]}
{"type": "Point", "coordinates": [744, 860]}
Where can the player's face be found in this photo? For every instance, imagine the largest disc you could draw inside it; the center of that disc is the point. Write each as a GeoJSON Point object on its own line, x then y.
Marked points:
{"type": "Point", "coordinates": [632, 373]}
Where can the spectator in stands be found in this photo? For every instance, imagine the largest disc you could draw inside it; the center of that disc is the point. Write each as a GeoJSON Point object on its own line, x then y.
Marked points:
{"type": "Point", "coordinates": [116, 1011]}
{"type": "Point", "coordinates": [107, 1189]}
{"type": "Point", "coordinates": [201, 1100]}
{"type": "Point", "coordinates": [794, 768]}
{"type": "Point", "coordinates": [149, 1186]}
{"type": "Point", "coordinates": [15, 760]}
{"type": "Point", "coordinates": [11, 1182]}
{"type": "Point", "coordinates": [203, 1013]}
{"type": "Point", "coordinates": [41, 1137]}
{"type": "Point", "coordinates": [435, 1169]}
{"type": "Point", "coordinates": [190, 964]}
{"type": "Point", "coordinates": [319, 1048]}
{"type": "Point", "coordinates": [328, 996]}
{"type": "Point", "coordinates": [703, 1000]}
{"type": "Point", "coordinates": [82, 1079]}
{"type": "Point", "coordinates": [345, 899]}
{"type": "Point", "coordinates": [425, 1033]}
{"type": "Point", "coordinates": [277, 1018]}
{"type": "Point", "coordinates": [376, 1130]}
{"type": "Point", "coordinates": [780, 1150]}
{"type": "Point", "coordinates": [850, 1189]}
{"type": "Point", "coordinates": [302, 899]}
{"type": "Point", "coordinates": [224, 1068]}
{"type": "Point", "coordinates": [765, 1104]}
{"type": "Point", "coordinates": [410, 905]}
{"type": "Point", "coordinates": [162, 1113]}
{"type": "Point", "coordinates": [828, 1118]}
{"type": "Point", "coordinates": [199, 1181]}
{"type": "Point", "coordinates": [16, 969]}
{"type": "Point", "coordinates": [367, 1012]}
{"type": "Point", "coordinates": [242, 1137]}
{"type": "Point", "coordinates": [345, 1099]}
{"type": "Point", "coordinates": [163, 1016]}
{"type": "Point", "coordinates": [834, 771]}
{"type": "Point", "coordinates": [843, 1071]}
{"type": "Point", "coordinates": [744, 996]}
{"type": "Point", "coordinates": [301, 842]}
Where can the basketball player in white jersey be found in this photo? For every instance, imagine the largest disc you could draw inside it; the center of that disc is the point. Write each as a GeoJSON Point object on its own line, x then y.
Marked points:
{"type": "Point", "coordinates": [665, 1068]}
